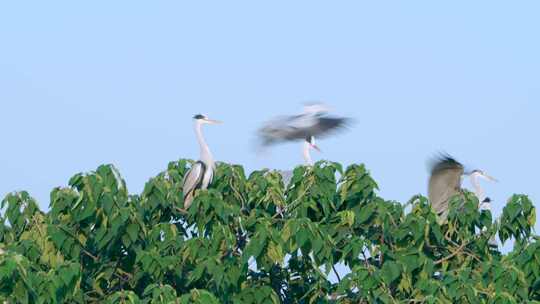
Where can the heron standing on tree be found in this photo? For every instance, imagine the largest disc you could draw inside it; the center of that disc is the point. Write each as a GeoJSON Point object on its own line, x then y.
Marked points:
{"type": "Point", "coordinates": [476, 175]}
{"type": "Point", "coordinates": [445, 182]}
{"type": "Point", "coordinates": [313, 122]}
{"type": "Point", "coordinates": [202, 172]}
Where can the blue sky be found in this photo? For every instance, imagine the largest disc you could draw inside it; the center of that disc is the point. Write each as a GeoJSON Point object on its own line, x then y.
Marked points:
{"type": "Point", "coordinates": [82, 84]}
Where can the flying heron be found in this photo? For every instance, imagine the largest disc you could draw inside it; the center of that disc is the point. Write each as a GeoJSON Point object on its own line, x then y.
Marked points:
{"type": "Point", "coordinates": [313, 122]}
{"type": "Point", "coordinates": [202, 172]}
{"type": "Point", "coordinates": [445, 182]}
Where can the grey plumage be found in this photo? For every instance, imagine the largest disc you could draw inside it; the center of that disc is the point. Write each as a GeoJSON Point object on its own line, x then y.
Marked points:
{"type": "Point", "coordinates": [193, 180]}
{"type": "Point", "coordinates": [200, 175]}
{"type": "Point", "coordinates": [300, 127]}
{"type": "Point", "coordinates": [444, 183]}
{"type": "Point", "coordinates": [314, 122]}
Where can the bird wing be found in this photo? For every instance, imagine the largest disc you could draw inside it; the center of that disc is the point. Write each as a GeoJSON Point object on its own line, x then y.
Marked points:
{"type": "Point", "coordinates": [327, 125]}
{"type": "Point", "coordinates": [299, 127]}
{"type": "Point", "coordinates": [302, 121]}
{"type": "Point", "coordinates": [193, 178]}
{"type": "Point", "coordinates": [285, 128]}
{"type": "Point", "coordinates": [206, 181]}
{"type": "Point", "coordinates": [444, 182]}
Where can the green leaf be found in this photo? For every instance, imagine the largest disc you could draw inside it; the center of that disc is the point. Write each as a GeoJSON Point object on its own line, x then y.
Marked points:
{"type": "Point", "coordinates": [366, 212]}
{"type": "Point", "coordinates": [275, 253]}
{"type": "Point", "coordinates": [390, 272]}
{"type": "Point", "coordinates": [255, 241]}
{"type": "Point", "coordinates": [133, 231]}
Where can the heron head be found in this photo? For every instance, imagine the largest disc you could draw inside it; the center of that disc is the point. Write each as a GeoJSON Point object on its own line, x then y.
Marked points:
{"type": "Point", "coordinates": [482, 174]}
{"type": "Point", "coordinates": [203, 119]}
{"type": "Point", "coordinates": [311, 141]}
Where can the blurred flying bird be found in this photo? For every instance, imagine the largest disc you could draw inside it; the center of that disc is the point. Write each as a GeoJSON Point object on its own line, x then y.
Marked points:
{"type": "Point", "coordinates": [313, 122]}
{"type": "Point", "coordinates": [202, 172]}
{"type": "Point", "coordinates": [445, 182]}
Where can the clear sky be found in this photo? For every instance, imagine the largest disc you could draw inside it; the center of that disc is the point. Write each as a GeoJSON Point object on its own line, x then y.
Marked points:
{"type": "Point", "coordinates": [84, 83]}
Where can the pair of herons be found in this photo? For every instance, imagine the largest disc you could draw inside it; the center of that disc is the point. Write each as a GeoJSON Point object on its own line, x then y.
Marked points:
{"type": "Point", "coordinates": [314, 122]}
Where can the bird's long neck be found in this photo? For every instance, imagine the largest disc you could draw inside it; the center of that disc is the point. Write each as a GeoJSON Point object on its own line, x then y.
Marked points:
{"type": "Point", "coordinates": [206, 155]}
{"type": "Point", "coordinates": [307, 155]}
{"type": "Point", "coordinates": [477, 188]}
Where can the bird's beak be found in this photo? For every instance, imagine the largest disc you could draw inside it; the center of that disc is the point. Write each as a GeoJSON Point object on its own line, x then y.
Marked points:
{"type": "Point", "coordinates": [213, 121]}
{"type": "Point", "coordinates": [316, 147]}
{"type": "Point", "coordinates": [489, 178]}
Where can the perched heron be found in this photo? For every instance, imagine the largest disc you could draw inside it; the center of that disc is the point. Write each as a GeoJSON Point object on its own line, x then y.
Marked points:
{"type": "Point", "coordinates": [309, 144]}
{"type": "Point", "coordinates": [202, 172]}
{"type": "Point", "coordinates": [313, 122]}
{"type": "Point", "coordinates": [485, 202]}
{"type": "Point", "coordinates": [476, 175]}
{"type": "Point", "coordinates": [445, 182]}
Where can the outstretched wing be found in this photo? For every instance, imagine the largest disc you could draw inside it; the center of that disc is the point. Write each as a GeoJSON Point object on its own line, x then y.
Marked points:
{"type": "Point", "coordinates": [285, 128]}
{"type": "Point", "coordinates": [444, 182]}
{"type": "Point", "coordinates": [299, 127]}
{"type": "Point", "coordinates": [327, 125]}
{"type": "Point", "coordinates": [192, 181]}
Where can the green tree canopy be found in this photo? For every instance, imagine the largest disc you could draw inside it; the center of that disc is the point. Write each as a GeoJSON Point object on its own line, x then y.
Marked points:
{"type": "Point", "coordinates": [251, 239]}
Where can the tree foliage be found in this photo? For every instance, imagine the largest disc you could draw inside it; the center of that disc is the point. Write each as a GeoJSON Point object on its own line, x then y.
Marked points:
{"type": "Point", "coordinates": [251, 239]}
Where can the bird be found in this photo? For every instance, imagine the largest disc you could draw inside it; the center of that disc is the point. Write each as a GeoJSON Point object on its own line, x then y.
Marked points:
{"type": "Point", "coordinates": [313, 122]}
{"type": "Point", "coordinates": [200, 175]}
{"type": "Point", "coordinates": [475, 176]}
{"type": "Point", "coordinates": [309, 144]}
{"type": "Point", "coordinates": [485, 202]}
{"type": "Point", "coordinates": [445, 182]}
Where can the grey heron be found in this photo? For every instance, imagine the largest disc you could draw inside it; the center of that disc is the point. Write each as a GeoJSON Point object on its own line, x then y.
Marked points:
{"type": "Point", "coordinates": [475, 176]}
{"type": "Point", "coordinates": [200, 175]}
{"type": "Point", "coordinates": [309, 144]}
{"type": "Point", "coordinates": [445, 182]}
{"type": "Point", "coordinates": [485, 202]}
{"type": "Point", "coordinates": [313, 122]}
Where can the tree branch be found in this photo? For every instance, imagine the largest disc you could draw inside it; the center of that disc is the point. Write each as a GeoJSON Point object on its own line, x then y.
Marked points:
{"type": "Point", "coordinates": [459, 250]}
{"type": "Point", "coordinates": [336, 273]}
